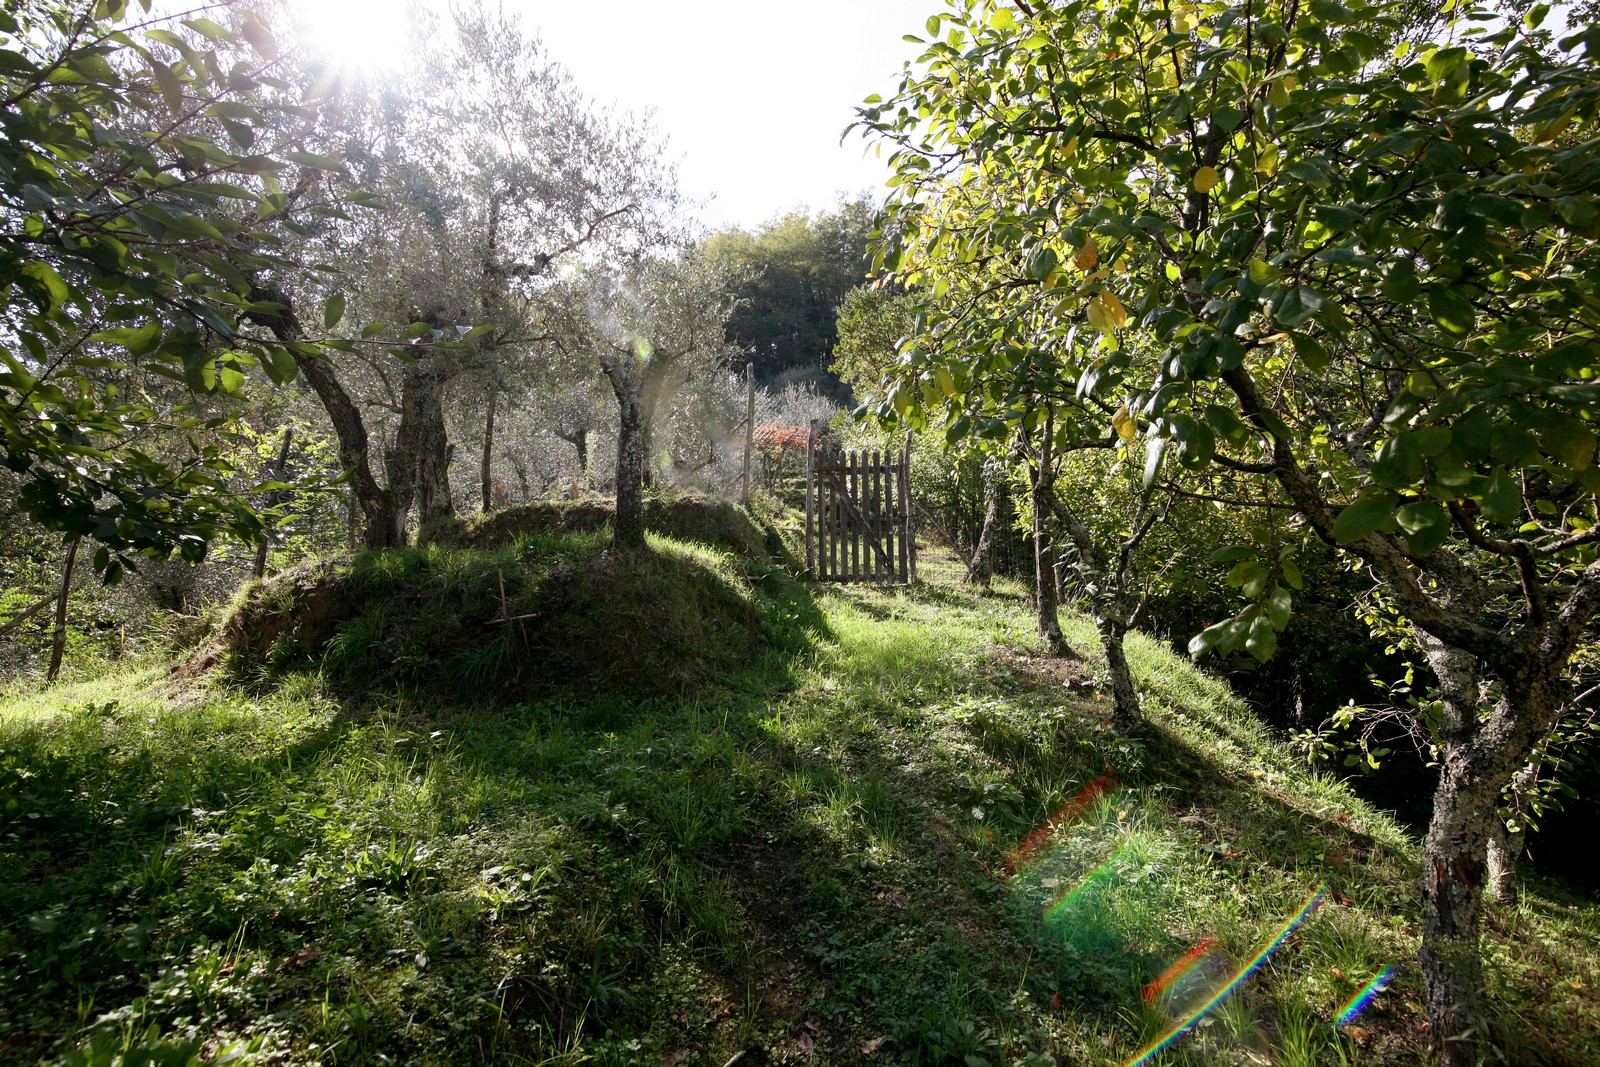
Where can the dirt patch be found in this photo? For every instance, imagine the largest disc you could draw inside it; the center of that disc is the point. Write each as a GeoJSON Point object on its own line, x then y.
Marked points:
{"type": "Point", "coordinates": [305, 605]}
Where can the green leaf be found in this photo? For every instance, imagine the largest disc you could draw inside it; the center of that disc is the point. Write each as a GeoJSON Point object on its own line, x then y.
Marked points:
{"type": "Point", "coordinates": [1247, 573]}
{"type": "Point", "coordinates": [373, 329]}
{"type": "Point", "coordinates": [1426, 525]}
{"type": "Point", "coordinates": [1450, 310]}
{"type": "Point", "coordinates": [1311, 352]}
{"type": "Point", "coordinates": [1398, 463]}
{"type": "Point", "coordinates": [1297, 304]}
{"type": "Point", "coordinates": [1569, 441]}
{"type": "Point", "coordinates": [1209, 638]}
{"type": "Point", "coordinates": [1226, 424]}
{"type": "Point", "coordinates": [1277, 608]}
{"type": "Point", "coordinates": [280, 365]}
{"type": "Point", "coordinates": [1291, 573]}
{"type": "Point", "coordinates": [1364, 516]}
{"type": "Point", "coordinates": [333, 311]}
{"type": "Point", "coordinates": [49, 282]}
{"type": "Point", "coordinates": [1502, 498]}
{"type": "Point", "coordinates": [138, 340]}
{"type": "Point", "coordinates": [1400, 280]}
{"type": "Point", "coordinates": [1263, 639]}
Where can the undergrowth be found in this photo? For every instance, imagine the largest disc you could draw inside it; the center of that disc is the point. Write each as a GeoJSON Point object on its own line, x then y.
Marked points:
{"type": "Point", "coordinates": [828, 849]}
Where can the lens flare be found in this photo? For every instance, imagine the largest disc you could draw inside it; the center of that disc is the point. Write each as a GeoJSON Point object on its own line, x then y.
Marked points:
{"type": "Point", "coordinates": [1365, 996]}
{"type": "Point", "coordinates": [1244, 972]}
{"type": "Point", "coordinates": [1175, 981]}
{"type": "Point", "coordinates": [1064, 816]}
{"type": "Point", "coordinates": [1095, 879]}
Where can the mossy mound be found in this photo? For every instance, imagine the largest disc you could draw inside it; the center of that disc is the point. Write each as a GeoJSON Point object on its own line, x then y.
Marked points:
{"type": "Point", "coordinates": [685, 517]}
{"type": "Point", "coordinates": [543, 612]}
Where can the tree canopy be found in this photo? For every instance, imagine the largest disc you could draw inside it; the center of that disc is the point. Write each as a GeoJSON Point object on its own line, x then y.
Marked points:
{"type": "Point", "coordinates": [147, 176]}
{"type": "Point", "coordinates": [1331, 246]}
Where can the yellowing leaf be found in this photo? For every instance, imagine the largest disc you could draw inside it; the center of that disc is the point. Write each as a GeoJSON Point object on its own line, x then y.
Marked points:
{"type": "Point", "coordinates": [1088, 255]}
{"type": "Point", "coordinates": [946, 383]}
{"type": "Point", "coordinates": [901, 400]}
{"type": "Point", "coordinates": [1114, 309]}
{"type": "Point", "coordinates": [1206, 179]}
{"type": "Point", "coordinates": [1267, 160]}
{"type": "Point", "coordinates": [1123, 423]}
{"type": "Point", "coordinates": [1098, 318]}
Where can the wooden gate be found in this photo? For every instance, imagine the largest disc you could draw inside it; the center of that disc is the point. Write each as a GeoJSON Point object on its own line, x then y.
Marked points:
{"type": "Point", "coordinates": [858, 514]}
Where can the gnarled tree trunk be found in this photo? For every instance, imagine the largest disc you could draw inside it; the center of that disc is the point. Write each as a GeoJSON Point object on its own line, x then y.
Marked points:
{"type": "Point", "coordinates": [1481, 752]}
{"type": "Point", "coordinates": [629, 529]}
{"type": "Point", "coordinates": [384, 528]}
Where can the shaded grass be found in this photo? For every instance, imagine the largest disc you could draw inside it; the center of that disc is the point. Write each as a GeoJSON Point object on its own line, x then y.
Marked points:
{"type": "Point", "coordinates": [804, 859]}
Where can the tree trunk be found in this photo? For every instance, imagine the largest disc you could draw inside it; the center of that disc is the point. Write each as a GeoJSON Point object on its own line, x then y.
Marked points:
{"type": "Point", "coordinates": [419, 462]}
{"type": "Point", "coordinates": [486, 470]}
{"type": "Point", "coordinates": [1480, 756]}
{"type": "Point", "coordinates": [1125, 710]}
{"type": "Point", "coordinates": [59, 646]}
{"type": "Point", "coordinates": [383, 528]}
{"type": "Point", "coordinates": [260, 569]}
{"type": "Point", "coordinates": [1504, 848]}
{"type": "Point", "coordinates": [1044, 551]}
{"type": "Point", "coordinates": [981, 570]}
{"type": "Point", "coordinates": [629, 529]}
{"type": "Point", "coordinates": [1505, 845]}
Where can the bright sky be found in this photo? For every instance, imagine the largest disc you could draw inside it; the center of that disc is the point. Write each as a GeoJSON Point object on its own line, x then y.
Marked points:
{"type": "Point", "coordinates": [753, 94]}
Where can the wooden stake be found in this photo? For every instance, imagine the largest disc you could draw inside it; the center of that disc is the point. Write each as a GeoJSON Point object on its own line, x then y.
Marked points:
{"type": "Point", "coordinates": [749, 424]}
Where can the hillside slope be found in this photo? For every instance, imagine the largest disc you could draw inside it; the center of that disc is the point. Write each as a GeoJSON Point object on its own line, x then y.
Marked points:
{"type": "Point", "coordinates": [877, 827]}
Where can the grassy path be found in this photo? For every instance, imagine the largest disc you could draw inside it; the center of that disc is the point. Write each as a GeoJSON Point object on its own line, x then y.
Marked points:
{"type": "Point", "coordinates": [812, 860]}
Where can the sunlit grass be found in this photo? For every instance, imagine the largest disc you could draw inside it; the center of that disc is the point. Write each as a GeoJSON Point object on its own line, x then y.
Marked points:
{"type": "Point", "coordinates": [428, 874]}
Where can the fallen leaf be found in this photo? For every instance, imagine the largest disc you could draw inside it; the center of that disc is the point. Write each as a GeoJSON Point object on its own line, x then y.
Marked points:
{"type": "Point", "coordinates": [873, 1046]}
{"type": "Point", "coordinates": [807, 1042]}
{"type": "Point", "coordinates": [303, 956]}
{"type": "Point", "coordinates": [675, 1058]}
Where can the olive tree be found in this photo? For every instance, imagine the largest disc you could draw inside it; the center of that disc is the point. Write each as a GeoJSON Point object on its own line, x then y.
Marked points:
{"type": "Point", "coordinates": [495, 171]}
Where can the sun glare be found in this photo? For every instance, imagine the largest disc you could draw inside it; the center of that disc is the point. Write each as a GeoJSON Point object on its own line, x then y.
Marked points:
{"type": "Point", "coordinates": [366, 35]}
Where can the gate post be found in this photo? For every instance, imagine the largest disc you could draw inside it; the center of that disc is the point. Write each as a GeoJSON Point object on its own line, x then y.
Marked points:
{"type": "Point", "coordinates": [905, 497]}
{"type": "Point", "coordinates": [811, 449]}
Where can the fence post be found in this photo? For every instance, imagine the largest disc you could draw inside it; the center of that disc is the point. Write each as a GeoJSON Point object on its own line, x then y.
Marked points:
{"type": "Point", "coordinates": [749, 424]}
{"type": "Point", "coordinates": [811, 449]}
{"type": "Point", "coordinates": [905, 490]}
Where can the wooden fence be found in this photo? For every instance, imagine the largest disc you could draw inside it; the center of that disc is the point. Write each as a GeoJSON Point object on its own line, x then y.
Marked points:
{"type": "Point", "coordinates": [858, 514]}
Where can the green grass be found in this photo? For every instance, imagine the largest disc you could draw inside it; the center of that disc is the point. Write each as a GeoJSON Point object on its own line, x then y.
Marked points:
{"type": "Point", "coordinates": [804, 855]}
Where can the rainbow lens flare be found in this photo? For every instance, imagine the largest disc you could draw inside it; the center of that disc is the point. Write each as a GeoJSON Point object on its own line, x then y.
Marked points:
{"type": "Point", "coordinates": [1365, 996]}
{"type": "Point", "coordinates": [1244, 972]}
{"type": "Point", "coordinates": [1179, 982]}
{"type": "Point", "coordinates": [1064, 816]}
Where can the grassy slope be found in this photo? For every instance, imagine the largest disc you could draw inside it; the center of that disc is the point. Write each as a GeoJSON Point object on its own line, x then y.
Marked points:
{"type": "Point", "coordinates": [804, 861]}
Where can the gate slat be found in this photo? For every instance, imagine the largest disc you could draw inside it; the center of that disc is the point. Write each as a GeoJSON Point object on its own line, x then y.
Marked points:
{"type": "Point", "coordinates": [888, 516]}
{"type": "Point", "coordinates": [877, 515]}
